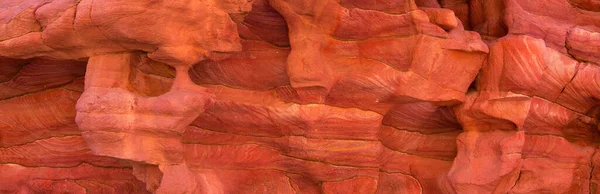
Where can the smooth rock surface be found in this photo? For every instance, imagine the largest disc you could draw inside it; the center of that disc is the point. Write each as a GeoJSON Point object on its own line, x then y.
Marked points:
{"type": "Point", "coordinates": [299, 96]}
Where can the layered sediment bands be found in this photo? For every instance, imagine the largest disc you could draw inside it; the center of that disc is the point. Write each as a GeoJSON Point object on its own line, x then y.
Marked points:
{"type": "Point", "coordinates": [83, 178]}
{"type": "Point", "coordinates": [304, 96]}
{"type": "Point", "coordinates": [39, 75]}
{"type": "Point", "coordinates": [52, 117]}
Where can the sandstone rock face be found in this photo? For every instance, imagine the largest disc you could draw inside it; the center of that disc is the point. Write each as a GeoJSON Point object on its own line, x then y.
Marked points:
{"type": "Point", "coordinates": [299, 96]}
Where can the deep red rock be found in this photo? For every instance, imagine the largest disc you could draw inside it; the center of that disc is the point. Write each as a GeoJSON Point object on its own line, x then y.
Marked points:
{"type": "Point", "coordinates": [303, 96]}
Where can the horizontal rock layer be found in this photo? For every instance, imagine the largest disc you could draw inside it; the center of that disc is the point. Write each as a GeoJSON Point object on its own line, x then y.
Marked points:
{"type": "Point", "coordinates": [306, 96]}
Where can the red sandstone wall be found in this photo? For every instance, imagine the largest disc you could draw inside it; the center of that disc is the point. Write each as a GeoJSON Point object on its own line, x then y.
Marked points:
{"type": "Point", "coordinates": [299, 96]}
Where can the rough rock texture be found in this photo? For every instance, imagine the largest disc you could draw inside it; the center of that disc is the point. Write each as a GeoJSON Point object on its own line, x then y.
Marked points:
{"type": "Point", "coordinates": [299, 96]}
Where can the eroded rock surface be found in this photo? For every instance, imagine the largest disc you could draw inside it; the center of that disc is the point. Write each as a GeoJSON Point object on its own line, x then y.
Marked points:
{"type": "Point", "coordinates": [299, 96]}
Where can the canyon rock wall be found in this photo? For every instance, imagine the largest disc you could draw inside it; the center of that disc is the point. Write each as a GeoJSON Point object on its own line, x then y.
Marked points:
{"type": "Point", "coordinates": [299, 96]}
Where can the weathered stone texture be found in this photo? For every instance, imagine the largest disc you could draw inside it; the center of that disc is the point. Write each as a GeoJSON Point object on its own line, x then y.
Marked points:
{"type": "Point", "coordinates": [299, 96]}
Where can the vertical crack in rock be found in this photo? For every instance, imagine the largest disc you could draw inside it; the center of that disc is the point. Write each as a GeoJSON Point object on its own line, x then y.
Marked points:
{"type": "Point", "coordinates": [516, 181]}
{"type": "Point", "coordinates": [98, 27]}
{"type": "Point", "coordinates": [577, 69]}
{"type": "Point", "coordinates": [593, 186]}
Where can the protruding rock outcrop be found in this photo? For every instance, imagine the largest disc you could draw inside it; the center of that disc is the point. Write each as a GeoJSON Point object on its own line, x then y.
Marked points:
{"type": "Point", "coordinates": [303, 96]}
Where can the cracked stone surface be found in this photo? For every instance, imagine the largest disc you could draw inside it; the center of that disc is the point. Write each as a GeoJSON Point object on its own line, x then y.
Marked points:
{"type": "Point", "coordinates": [299, 96]}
